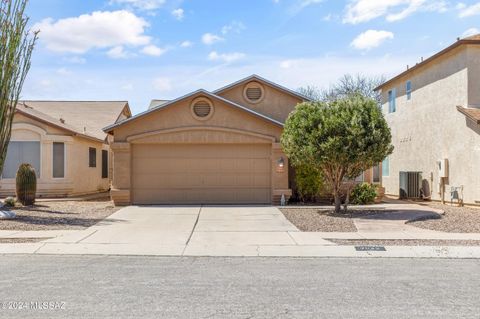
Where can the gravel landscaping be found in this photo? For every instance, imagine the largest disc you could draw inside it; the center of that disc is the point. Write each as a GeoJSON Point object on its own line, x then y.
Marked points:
{"type": "Point", "coordinates": [58, 215]}
{"type": "Point", "coordinates": [316, 220]}
{"type": "Point", "coordinates": [403, 242]}
{"type": "Point", "coordinates": [455, 219]}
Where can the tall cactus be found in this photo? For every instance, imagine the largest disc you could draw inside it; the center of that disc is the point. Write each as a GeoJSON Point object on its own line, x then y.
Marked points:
{"type": "Point", "coordinates": [26, 184]}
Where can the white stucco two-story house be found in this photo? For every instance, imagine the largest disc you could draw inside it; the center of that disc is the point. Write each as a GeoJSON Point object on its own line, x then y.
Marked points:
{"type": "Point", "coordinates": [433, 110]}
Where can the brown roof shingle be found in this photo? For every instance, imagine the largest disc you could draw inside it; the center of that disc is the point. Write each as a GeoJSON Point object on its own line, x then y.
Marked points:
{"type": "Point", "coordinates": [82, 117]}
{"type": "Point", "coordinates": [471, 113]}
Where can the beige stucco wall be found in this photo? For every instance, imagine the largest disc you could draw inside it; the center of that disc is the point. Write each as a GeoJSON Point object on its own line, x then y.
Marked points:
{"type": "Point", "coordinates": [429, 128]}
{"type": "Point", "coordinates": [276, 103]}
{"type": "Point", "coordinates": [79, 178]}
{"type": "Point", "coordinates": [176, 124]}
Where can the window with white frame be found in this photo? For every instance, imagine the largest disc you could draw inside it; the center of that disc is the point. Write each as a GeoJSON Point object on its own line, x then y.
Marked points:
{"type": "Point", "coordinates": [58, 160]}
{"type": "Point", "coordinates": [21, 153]}
{"type": "Point", "coordinates": [392, 95]}
{"type": "Point", "coordinates": [408, 90]}
{"type": "Point", "coordinates": [386, 167]}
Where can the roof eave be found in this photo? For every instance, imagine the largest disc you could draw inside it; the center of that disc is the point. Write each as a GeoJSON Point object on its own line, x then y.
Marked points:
{"type": "Point", "coordinates": [259, 78]}
{"type": "Point", "coordinates": [74, 133]}
{"type": "Point", "coordinates": [109, 129]}
{"type": "Point", "coordinates": [426, 61]}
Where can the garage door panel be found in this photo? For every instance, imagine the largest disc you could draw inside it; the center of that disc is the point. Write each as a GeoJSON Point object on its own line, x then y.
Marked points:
{"type": "Point", "coordinates": [195, 174]}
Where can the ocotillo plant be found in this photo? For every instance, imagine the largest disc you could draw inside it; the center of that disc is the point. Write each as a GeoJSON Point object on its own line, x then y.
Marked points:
{"type": "Point", "coordinates": [26, 184]}
{"type": "Point", "coordinates": [16, 46]}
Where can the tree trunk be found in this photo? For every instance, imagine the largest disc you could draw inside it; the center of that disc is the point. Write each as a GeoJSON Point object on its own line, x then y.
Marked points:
{"type": "Point", "coordinates": [347, 201]}
{"type": "Point", "coordinates": [338, 202]}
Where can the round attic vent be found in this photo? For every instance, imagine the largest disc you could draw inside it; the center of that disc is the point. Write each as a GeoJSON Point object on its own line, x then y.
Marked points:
{"type": "Point", "coordinates": [253, 92]}
{"type": "Point", "coordinates": [202, 108]}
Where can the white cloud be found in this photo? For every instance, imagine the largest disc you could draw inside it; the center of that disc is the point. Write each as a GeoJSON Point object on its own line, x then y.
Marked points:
{"type": "Point", "coordinates": [153, 50]}
{"type": "Point", "coordinates": [234, 26]}
{"type": "Point", "coordinates": [162, 84]}
{"type": "Point", "coordinates": [178, 14]}
{"type": "Point", "coordinates": [210, 38]}
{"type": "Point", "coordinates": [100, 29]}
{"type": "Point", "coordinates": [117, 52]}
{"type": "Point", "coordinates": [468, 11]}
{"type": "Point", "coordinates": [186, 44]}
{"type": "Point", "coordinates": [127, 87]}
{"type": "Point", "coordinates": [63, 71]}
{"type": "Point", "coordinates": [358, 11]}
{"type": "Point", "coordinates": [75, 60]}
{"type": "Point", "coordinates": [470, 32]}
{"type": "Point", "coordinates": [306, 3]}
{"type": "Point", "coordinates": [371, 39]}
{"type": "Point", "coordinates": [225, 57]}
{"type": "Point", "coordinates": [141, 4]}
{"type": "Point", "coordinates": [287, 64]}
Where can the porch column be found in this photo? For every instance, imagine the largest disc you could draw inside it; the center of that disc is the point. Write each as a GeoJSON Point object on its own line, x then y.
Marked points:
{"type": "Point", "coordinates": [121, 183]}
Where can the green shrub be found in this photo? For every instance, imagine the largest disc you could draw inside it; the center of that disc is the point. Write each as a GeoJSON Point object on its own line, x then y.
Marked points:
{"type": "Point", "coordinates": [9, 201]}
{"type": "Point", "coordinates": [309, 182]}
{"type": "Point", "coordinates": [363, 194]}
{"type": "Point", "coordinates": [26, 184]}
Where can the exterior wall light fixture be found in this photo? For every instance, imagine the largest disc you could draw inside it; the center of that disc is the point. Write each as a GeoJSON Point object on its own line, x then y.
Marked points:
{"type": "Point", "coordinates": [280, 165]}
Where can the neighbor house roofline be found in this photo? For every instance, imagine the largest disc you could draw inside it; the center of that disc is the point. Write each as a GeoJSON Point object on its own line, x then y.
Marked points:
{"type": "Point", "coordinates": [261, 79]}
{"type": "Point", "coordinates": [109, 128]}
{"type": "Point", "coordinates": [469, 40]}
{"type": "Point", "coordinates": [46, 119]}
{"type": "Point", "coordinates": [471, 113]}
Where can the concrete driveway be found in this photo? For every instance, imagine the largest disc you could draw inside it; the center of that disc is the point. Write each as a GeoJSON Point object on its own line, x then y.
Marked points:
{"type": "Point", "coordinates": [178, 230]}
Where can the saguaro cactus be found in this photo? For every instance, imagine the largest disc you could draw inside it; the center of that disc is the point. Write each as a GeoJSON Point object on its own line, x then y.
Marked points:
{"type": "Point", "coordinates": [26, 184]}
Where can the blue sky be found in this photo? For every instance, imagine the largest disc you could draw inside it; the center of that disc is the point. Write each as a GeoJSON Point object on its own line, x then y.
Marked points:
{"type": "Point", "coordinates": [138, 50]}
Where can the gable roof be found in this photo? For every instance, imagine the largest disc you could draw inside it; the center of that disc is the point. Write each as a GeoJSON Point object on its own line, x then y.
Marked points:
{"type": "Point", "coordinates": [471, 113]}
{"type": "Point", "coordinates": [201, 91]}
{"type": "Point", "coordinates": [475, 39]}
{"type": "Point", "coordinates": [86, 118]}
{"type": "Point", "coordinates": [258, 78]}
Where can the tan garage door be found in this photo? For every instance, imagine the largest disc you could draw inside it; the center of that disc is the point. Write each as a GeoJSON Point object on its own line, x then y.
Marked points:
{"type": "Point", "coordinates": [201, 174]}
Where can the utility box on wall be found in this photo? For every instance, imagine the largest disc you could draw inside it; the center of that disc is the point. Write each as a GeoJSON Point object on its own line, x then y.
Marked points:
{"type": "Point", "coordinates": [442, 168]}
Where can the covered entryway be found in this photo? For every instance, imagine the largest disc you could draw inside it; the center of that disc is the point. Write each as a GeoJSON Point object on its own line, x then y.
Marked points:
{"type": "Point", "coordinates": [201, 173]}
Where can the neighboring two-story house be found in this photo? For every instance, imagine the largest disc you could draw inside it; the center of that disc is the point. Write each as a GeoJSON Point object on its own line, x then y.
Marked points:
{"type": "Point", "coordinates": [433, 110]}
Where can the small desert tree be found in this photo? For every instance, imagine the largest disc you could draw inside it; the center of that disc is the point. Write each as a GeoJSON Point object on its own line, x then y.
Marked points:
{"type": "Point", "coordinates": [346, 86]}
{"type": "Point", "coordinates": [340, 138]}
{"type": "Point", "coordinates": [16, 46]}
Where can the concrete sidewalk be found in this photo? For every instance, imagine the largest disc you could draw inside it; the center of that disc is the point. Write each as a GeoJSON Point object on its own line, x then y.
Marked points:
{"type": "Point", "coordinates": [233, 231]}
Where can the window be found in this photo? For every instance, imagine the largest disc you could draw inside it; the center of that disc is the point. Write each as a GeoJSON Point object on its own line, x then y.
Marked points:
{"type": "Point", "coordinates": [19, 153]}
{"type": "Point", "coordinates": [408, 90]}
{"type": "Point", "coordinates": [376, 174]}
{"type": "Point", "coordinates": [386, 167]}
{"type": "Point", "coordinates": [104, 164]}
{"type": "Point", "coordinates": [391, 101]}
{"type": "Point", "coordinates": [92, 157]}
{"type": "Point", "coordinates": [58, 160]}
{"type": "Point", "coordinates": [360, 178]}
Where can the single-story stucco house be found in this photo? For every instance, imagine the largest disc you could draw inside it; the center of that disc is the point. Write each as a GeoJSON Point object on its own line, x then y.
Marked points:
{"type": "Point", "coordinates": [433, 110]}
{"type": "Point", "coordinates": [66, 145]}
{"type": "Point", "coordinates": [220, 147]}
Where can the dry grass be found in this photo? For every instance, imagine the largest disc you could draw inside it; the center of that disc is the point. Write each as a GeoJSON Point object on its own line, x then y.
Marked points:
{"type": "Point", "coordinates": [57, 215]}
{"type": "Point", "coordinates": [455, 219]}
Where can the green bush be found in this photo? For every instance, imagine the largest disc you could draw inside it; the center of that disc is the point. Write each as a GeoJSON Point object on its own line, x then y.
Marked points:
{"type": "Point", "coordinates": [309, 182]}
{"type": "Point", "coordinates": [363, 194]}
{"type": "Point", "coordinates": [26, 184]}
{"type": "Point", "coordinates": [9, 202]}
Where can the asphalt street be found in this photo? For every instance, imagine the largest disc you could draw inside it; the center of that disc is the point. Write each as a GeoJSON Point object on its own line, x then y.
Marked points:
{"type": "Point", "coordinates": [194, 287]}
